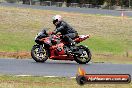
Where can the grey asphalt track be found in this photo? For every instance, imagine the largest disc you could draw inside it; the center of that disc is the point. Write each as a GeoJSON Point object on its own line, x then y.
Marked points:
{"type": "Point", "coordinates": [69, 9]}
{"type": "Point", "coordinates": [59, 68]}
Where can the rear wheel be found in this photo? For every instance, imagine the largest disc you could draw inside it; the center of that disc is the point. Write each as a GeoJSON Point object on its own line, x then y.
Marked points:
{"type": "Point", "coordinates": [39, 56]}
{"type": "Point", "coordinates": [85, 57]}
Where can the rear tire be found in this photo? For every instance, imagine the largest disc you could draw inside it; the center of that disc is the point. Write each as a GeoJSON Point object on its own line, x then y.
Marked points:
{"type": "Point", "coordinates": [87, 57]}
{"type": "Point", "coordinates": [34, 54]}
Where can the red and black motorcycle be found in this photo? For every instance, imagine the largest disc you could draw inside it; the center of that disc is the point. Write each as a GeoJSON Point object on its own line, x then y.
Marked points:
{"type": "Point", "coordinates": [54, 47]}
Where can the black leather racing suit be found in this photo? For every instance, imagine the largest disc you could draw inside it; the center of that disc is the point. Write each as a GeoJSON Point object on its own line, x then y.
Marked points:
{"type": "Point", "coordinates": [67, 31]}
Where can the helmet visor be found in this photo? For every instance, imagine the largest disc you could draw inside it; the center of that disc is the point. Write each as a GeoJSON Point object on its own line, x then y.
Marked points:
{"type": "Point", "coordinates": [54, 21]}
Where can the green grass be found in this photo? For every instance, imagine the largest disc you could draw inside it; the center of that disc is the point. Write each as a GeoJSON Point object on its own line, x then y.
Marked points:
{"type": "Point", "coordinates": [15, 42]}
{"type": "Point", "coordinates": [102, 45]}
{"type": "Point", "coordinates": [45, 82]}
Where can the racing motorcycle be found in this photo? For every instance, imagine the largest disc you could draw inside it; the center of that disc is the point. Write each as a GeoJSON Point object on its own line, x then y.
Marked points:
{"type": "Point", "coordinates": [53, 46]}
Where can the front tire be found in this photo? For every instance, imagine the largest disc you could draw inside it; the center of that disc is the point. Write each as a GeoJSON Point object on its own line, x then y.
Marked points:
{"type": "Point", "coordinates": [85, 57]}
{"type": "Point", "coordinates": [36, 55]}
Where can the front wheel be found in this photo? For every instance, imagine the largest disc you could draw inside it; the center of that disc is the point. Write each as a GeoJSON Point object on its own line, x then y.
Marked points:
{"type": "Point", "coordinates": [85, 55]}
{"type": "Point", "coordinates": [37, 55]}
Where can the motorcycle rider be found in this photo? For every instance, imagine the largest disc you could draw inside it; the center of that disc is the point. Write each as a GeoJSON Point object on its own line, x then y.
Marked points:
{"type": "Point", "coordinates": [65, 29]}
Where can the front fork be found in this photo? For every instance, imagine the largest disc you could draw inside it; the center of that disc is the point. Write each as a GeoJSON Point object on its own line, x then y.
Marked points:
{"type": "Point", "coordinates": [40, 50]}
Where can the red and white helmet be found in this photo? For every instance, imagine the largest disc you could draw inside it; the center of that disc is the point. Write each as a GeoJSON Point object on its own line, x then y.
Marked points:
{"type": "Point", "coordinates": [56, 18]}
